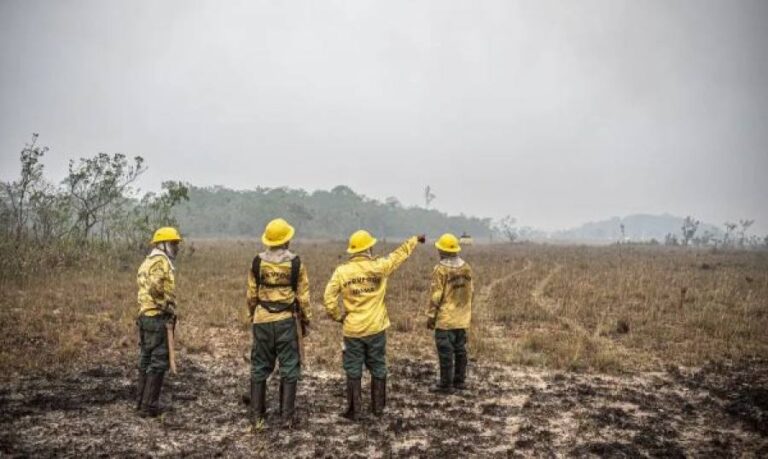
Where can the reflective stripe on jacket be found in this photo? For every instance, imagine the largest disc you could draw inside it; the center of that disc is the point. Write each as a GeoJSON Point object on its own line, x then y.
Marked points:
{"type": "Point", "coordinates": [157, 283]}
{"type": "Point", "coordinates": [451, 294]}
{"type": "Point", "coordinates": [362, 284]}
{"type": "Point", "coordinates": [276, 268]}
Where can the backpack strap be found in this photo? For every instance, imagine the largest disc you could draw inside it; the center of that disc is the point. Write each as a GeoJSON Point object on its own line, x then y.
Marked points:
{"type": "Point", "coordinates": [274, 307]}
{"type": "Point", "coordinates": [295, 267]}
{"type": "Point", "coordinates": [256, 269]}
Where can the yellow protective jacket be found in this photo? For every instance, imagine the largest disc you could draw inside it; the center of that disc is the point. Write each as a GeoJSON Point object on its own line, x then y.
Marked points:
{"type": "Point", "coordinates": [362, 283]}
{"type": "Point", "coordinates": [157, 284]}
{"type": "Point", "coordinates": [451, 294]}
{"type": "Point", "coordinates": [276, 269]}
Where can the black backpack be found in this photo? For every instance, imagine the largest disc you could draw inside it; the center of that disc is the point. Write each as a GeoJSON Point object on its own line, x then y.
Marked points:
{"type": "Point", "coordinates": [273, 306]}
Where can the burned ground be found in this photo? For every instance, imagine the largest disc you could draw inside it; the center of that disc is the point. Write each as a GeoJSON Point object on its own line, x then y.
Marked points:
{"type": "Point", "coordinates": [718, 410]}
{"type": "Point", "coordinates": [574, 351]}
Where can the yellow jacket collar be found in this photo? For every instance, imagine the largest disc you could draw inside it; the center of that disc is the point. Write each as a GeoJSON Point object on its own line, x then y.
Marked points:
{"type": "Point", "coordinates": [361, 256]}
{"type": "Point", "coordinates": [157, 252]}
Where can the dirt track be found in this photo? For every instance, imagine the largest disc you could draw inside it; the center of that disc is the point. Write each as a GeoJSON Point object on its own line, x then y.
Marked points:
{"type": "Point", "coordinates": [718, 410]}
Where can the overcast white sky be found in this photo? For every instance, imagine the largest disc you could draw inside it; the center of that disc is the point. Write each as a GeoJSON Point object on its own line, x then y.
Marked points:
{"type": "Point", "coordinates": [557, 112]}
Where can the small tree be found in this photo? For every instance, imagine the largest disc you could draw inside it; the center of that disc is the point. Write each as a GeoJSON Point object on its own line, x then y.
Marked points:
{"type": "Point", "coordinates": [428, 196]}
{"type": "Point", "coordinates": [51, 214]}
{"type": "Point", "coordinates": [670, 239]}
{"type": "Point", "coordinates": [705, 239]}
{"type": "Point", "coordinates": [729, 227]}
{"type": "Point", "coordinates": [690, 225]}
{"type": "Point", "coordinates": [745, 224]}
{"type": "Point", "coordinates": [18, 193]}
{"type": "Point", "coordinates": [96, 183]}
{"type": "Point", "coordinates": [506, 226]}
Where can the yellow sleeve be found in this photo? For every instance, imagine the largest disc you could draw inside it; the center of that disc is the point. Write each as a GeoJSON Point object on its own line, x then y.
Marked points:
{"type": "Point", "coordinates": [170, 284]}
{"type": "Point", "coordinates": [303, 293]}
{"type": "Point", "coordinates": [331, 297]}
{"type": "Point", "coordinates": [392, 261]}
{"type": "Point", "coordinates": [160, 287]}
{"type": "Point", "coordinates": [436, 292]}
{"type": "Point", "coordinates": [471, 284]}
{"type": "Point", "coordinates": [252, 294]}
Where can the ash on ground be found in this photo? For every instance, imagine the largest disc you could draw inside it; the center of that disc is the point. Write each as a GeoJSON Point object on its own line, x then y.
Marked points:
{"type": "Point", "coordinates": [717, 410]}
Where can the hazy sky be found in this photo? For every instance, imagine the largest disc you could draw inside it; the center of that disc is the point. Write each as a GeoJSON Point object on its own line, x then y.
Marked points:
{"type": "Point", "coordinates": [557, 112]}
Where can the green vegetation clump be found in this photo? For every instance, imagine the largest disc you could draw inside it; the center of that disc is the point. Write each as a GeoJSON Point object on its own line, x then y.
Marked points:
{"type": "Point", "coordinates": [93, 215]}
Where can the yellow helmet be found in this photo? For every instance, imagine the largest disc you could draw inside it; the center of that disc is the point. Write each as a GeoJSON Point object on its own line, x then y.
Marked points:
{"type": "Point", "coordinates": [448, 243]}
{"type": "Point", "coordinates": [277, 232]}
{"type": "Point", "coordinates": [166, 234]}
{"type": "Point", "coordinates": [360, 240]}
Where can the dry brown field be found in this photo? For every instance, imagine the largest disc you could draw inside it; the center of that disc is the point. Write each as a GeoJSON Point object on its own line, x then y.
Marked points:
{"type": "Point", "coordinates": [608, 351]}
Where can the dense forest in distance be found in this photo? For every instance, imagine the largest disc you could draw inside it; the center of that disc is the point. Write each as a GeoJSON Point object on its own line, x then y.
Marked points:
{"type": "Point", "coordinates": [221, 212]}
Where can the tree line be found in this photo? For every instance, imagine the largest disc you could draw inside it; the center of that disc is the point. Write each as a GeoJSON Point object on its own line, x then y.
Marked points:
{"type": "Point", "coordinates": [222, 212]}
{"type": "Point", "coordinates": [96, 209]}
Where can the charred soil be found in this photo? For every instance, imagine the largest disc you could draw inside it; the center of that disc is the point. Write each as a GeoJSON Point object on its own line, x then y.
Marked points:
{"type": "Point", "coordinates": [716, 410]}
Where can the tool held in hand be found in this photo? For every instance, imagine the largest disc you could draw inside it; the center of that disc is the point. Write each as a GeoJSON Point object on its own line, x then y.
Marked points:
{"type": "Point", "coordinates": [300, 331]}
{"type": "Point", "coordinates": [170, 329]}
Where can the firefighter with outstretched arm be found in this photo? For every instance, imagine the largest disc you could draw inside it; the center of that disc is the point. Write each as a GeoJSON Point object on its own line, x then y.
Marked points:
{"type": "Point", "coordinates": [362, 284]}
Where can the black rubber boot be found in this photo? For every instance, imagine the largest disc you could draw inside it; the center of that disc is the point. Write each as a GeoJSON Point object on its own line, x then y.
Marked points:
{"type": "Point", "coordinates": [378, 395]}
{"type": "Point", "coordinates": [258, 407]}
{"type": "Point", "coordinates": [150, 403]}
{"type": "Point", "coordinates": [354, 399]}
{"type": "Point", "coordinates": [460, 373]}
{"type": "Point", "coordinates": [287, 403]}
{"type": "Point", "coordinates": [446, 381]}
{"type": "Point", "coordinates": [141, 383]}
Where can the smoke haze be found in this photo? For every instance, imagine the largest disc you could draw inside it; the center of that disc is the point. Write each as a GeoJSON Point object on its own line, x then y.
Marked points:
{"type": "Point", "coordinates": [554, 112]}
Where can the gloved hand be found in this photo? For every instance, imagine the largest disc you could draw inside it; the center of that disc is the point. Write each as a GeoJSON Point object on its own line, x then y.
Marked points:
{"type": "Point", "coordinates": [421, 238]}
{"type": "Point", "coordinates": [170, 308]}
{"type": "Point", "coordinates": [431, 323]}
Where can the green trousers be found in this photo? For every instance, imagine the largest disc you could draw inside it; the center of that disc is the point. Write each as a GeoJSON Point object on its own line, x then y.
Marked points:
{"type": "Point", "coordinates": [153, 343]}
{"type": "Point", "coordinates": [271, 341]}
{"type": "Point", "coordinates": [452, 352]}
{"type": "Point", "coordinates": [368, 350]}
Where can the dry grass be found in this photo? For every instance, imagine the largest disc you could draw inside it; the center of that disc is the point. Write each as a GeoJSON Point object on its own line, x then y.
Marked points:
{"type": "Point", "coordinates": [579, 308]}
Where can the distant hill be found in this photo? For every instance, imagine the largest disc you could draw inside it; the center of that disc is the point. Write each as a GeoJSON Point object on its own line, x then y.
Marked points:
{"type": "Point", "coordinates": [222, 212]}
{"type": "Point", "coordinates": [638, 227]}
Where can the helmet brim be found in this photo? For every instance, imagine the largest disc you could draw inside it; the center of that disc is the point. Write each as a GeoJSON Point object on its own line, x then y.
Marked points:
{"type": "Point", "coordinates": [287, 238]}
{"type": "Point", "coordinates": [439, 246]}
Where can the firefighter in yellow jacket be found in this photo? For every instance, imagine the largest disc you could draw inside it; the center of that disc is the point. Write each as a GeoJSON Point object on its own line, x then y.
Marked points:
{"type": "Point", "coordinates": [362, 284]}
{"type": "Point", "coordinates": [450, 312]}
{"type": "Point", "coordinates": [278, 292]}
{"type": "Point", "coordinates": [157, 303]}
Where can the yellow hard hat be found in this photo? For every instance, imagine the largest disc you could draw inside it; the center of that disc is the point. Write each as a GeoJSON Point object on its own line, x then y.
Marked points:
{"type": "Point", "coordinates": [448, 243]}
{"type": "Point", "coordinates": [277, 232]}
{"type": "Point", "coordinates": [166, 234]}
{"type": "Point", "coordinates": [360, 240]}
